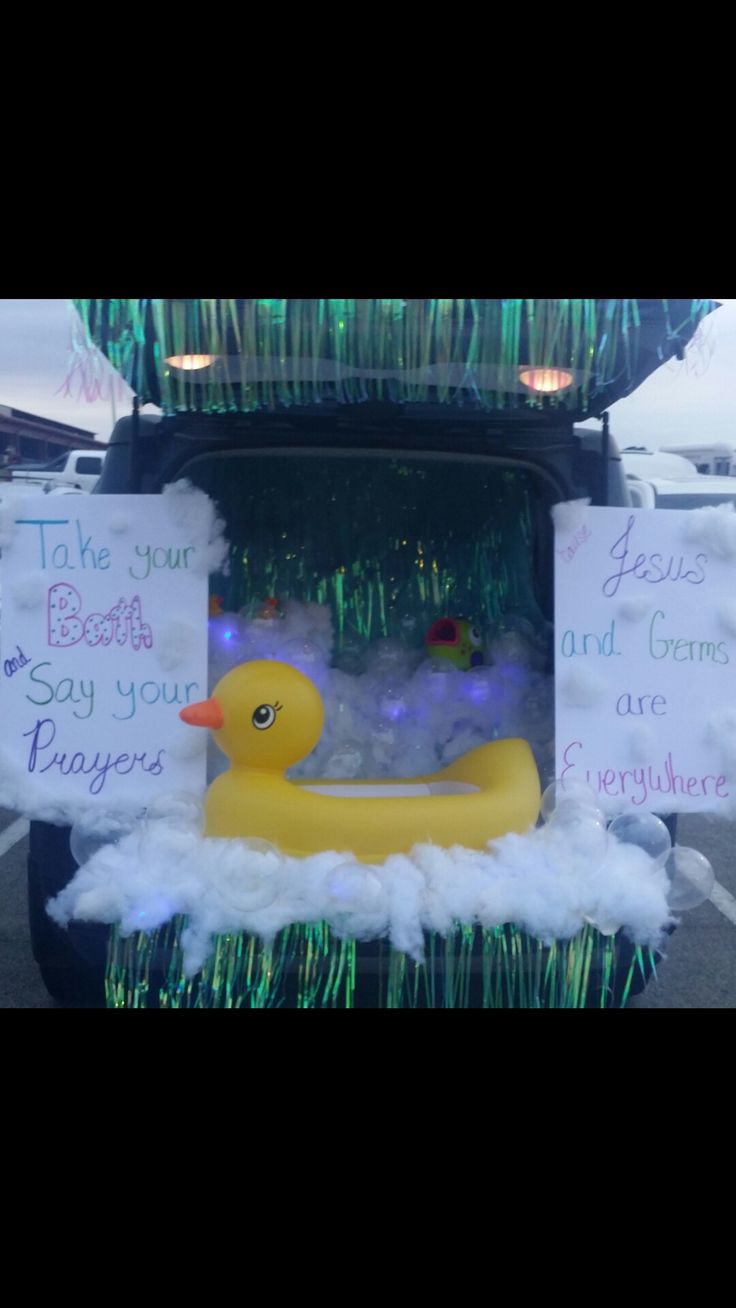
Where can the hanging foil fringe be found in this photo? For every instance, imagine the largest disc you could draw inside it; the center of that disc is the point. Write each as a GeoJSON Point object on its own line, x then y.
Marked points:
{"type": "Point", "coordinates": [253, 354]}
{"type": "Point", "coordinates": [308, 967]}
{"type": "Point", "coordinates": [378, 583]}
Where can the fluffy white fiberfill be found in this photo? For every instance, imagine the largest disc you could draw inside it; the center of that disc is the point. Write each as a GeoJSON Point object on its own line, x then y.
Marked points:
{"type": "Point", "coordinates": [713, 527]}
{"type": "Point", "coordinates": [194, 511]}
{"type": "Point", "coordinates": [545, 881]}
{"type": "Point", "coordinates": [569, 515]}
{"type": "Point", "coordinates": [389, 710]}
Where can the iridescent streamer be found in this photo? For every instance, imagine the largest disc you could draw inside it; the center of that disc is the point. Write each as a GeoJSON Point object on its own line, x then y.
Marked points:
{"type": "Point", "coordinates": [373, 579]}
{"type": "Point", "coordinates": [274, 353]}
{"type": "Point", "coordinates": [306, 966]}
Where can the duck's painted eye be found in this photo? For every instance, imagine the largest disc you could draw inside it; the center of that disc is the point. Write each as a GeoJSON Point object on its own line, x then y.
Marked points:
{"type": "Point", "coordinates": [264, 717]}
{"type": "Point", "coordinates": [475, 636]}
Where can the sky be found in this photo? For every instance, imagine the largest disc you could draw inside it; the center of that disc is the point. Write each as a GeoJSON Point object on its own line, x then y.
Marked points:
{"type": "Point", "coordinates": [35, 359]}
{"type": "Point", "coordinates": [681, 403]}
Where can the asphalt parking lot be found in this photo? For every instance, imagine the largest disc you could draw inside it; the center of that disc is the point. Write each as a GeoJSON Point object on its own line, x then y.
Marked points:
{"type": "Point", "coordinates": [698, 972]}
{"type": "Point", "coordinates": [20, 981]}
{"type": "Point", "coordinates": [700, 968]}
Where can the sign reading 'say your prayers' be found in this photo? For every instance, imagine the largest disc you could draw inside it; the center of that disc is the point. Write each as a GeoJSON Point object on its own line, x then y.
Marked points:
{"type": "Point", "coordinates": [103, 639]}
{"type": "Point", "coordinates": [645, 656]}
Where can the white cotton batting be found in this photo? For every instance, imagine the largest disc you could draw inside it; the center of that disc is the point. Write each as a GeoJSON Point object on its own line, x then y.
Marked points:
{"type": "Point", "coordinates": [581, 688]}
{"type": "Point", "coordinates": [714, 528]}
{"type": "Point", "coordinates": [29, 592]}
{"type": "Point", "coordinates": [192, 510]}
{"type": "Point", "coordinates": [633, 610]}
{"type": "Point", "coordinates": [544, 881]}
{"type": "Point", "coordinates": [176, 644]}
{"type": "Point", "coordinates": [642, 743]}
{"type": "Point", "coordinates": [569, 515]}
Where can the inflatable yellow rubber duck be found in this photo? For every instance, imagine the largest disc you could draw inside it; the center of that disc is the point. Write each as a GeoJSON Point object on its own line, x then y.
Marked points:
{"type": "Point", "coordinates": [266, 716]}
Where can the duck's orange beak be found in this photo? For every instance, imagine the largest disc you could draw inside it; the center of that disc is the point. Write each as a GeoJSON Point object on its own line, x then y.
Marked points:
{"type": "Point", "coordinates": [206, 713]}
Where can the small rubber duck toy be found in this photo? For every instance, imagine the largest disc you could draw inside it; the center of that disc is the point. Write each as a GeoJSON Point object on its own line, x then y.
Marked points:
{"type": "Point", "coordinates": [269, 611]}
{"type": "Point", "coordinates": [455, 639]}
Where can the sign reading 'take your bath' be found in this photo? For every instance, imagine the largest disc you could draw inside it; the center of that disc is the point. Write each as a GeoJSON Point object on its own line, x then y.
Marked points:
{"type": "Point", "coordinates": [103, 638]}
{"type": "Point", "coordinates": [645, 656]}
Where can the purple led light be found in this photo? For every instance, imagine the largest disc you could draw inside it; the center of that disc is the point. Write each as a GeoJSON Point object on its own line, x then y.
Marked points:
{"type": "Point", "coordinates": [477, 691]}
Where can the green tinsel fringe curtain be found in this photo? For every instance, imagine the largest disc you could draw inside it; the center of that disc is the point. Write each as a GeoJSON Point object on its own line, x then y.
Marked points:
{"type": "Point", "coordinates": [306, 966]}
{"type": "Point", "coordinates": [273, 353]}
{"type": "Point", "coordinates": [399, 559]}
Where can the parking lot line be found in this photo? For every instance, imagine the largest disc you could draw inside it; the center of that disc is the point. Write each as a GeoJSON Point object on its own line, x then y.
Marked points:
{"type": "Point", "coordinates": [12, 834]}
{"type": "Point", "coordinates": [724, 902]}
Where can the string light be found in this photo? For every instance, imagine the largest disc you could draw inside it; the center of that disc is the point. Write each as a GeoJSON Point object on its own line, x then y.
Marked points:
{"type": "Point", "coordinates": [546, 381]}
{"type": "Point", "coordinates": [191, 362]}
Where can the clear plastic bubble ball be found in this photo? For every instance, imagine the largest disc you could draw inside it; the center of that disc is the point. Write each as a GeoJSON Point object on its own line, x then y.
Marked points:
{"type": "Point", "coordinates": [98, 828]}
{"type": "Point", "coordinates": [582, 829]}
{"type": "Point", "coordinates": [385, 736]}
{"type": "Point", "coordinates": [393, 705]}
{"type": "Point", "coordinates": [567, 794]}
{"type": "Point", "coordinates": [345, 762]}
{"type": "Point", "coordinates": [253, 882]}
{"type": "Point", "coordinates": [386, 656]}
{"type": "Point", "coordinates": [303, 654]}
{"type": "Point", "coordinates": [257, 888]}
{"type": "Point", "coordinates": [691, 878]}
{"type": "Point", "coordinates": [415, 759]}
{"type": "Point", "coordinates": [646, 831]}
{"type": "Point", "coordinates": [177, 808]}
{"type": "Point", "coordinates": [480, 686]}
{"type": "Point", "coordinates": [307, 657]}
{"type": "Point", "coordinates": [351, 886]}
{"type": "Point", "coordinates": [439, 679]}
{"type": "Point", "coordinates": [515, 622]}
{"type": "Point", "coordinates": [511, 647]}
{"type": "Point", "coordinates": [351, 656]}
{"type": "Point", "coordinates": [259, 846]}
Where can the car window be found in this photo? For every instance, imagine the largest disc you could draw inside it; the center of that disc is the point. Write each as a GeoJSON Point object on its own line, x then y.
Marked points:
{"type": "Point", "coordinates": [693, 501]}
{"type": "Point", "coordinates": [89, 464]}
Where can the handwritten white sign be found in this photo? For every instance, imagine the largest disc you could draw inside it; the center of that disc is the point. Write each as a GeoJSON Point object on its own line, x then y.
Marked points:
{"type": "Point", "coordinates": [103, 640]}
{"type": "Point", "coordinates": [645, 657]}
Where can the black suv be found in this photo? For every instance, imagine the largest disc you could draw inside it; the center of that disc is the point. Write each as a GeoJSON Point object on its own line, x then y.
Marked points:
{"type": "Point", "coordinates": [320, 499]}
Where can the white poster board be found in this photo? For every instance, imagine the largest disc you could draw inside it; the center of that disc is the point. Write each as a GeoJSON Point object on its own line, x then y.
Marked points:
{"type": "Point", "coordinates": [645, 656]}
{"type": "Point", "coordinates": [103, 639]}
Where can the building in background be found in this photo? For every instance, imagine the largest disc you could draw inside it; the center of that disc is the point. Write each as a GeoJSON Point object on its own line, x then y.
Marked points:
{"type": "Point", "coordinates": [714, 460]}
{"type": "Point", "coordinates": [27, 438]}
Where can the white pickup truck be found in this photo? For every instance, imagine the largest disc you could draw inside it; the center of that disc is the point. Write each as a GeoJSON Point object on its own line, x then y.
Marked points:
{"type": "Point", "coordinates": [660, 479]}
{"type": "Point", "coordinates": [77, 469]}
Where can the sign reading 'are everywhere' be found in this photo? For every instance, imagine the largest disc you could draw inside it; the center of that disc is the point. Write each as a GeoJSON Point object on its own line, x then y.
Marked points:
{"type": "Point", "coordinates": [645, 658]}
{"type": "Point", "coordinates": [103, 640]}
